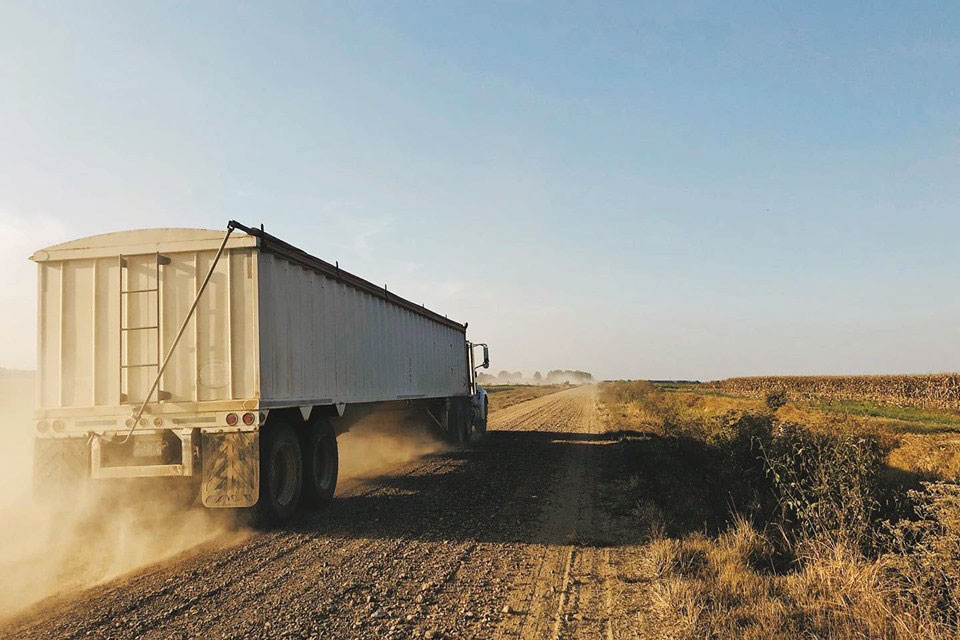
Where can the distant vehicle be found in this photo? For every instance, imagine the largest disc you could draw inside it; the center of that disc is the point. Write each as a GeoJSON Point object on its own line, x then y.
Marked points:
{"type": "Point", "coordinates": [230, 361]}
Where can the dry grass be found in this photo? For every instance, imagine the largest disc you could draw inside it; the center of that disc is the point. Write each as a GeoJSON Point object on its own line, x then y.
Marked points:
{"type": "Point", "coordinates": [828, 532]}
{"type": "Point", "coordinates": [935, 456]}
{"type": "Point", "coordinates": [725, 587]}
{"type": "Point", "coordinates": [929, 450]}
{"type": "Point", "coordinates": [641, 406]}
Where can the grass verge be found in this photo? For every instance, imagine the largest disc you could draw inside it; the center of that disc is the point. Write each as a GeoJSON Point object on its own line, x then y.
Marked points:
{"type": "Point", "coordinates": [758, 526]}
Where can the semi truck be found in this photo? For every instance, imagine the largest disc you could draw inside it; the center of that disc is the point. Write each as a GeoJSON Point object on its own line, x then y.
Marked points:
{"type": "Point", "coordinates": [227, 363]}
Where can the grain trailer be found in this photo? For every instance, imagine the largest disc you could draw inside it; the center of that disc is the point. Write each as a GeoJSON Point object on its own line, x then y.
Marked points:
{"type": "Point", "coordinates": [229, 361]}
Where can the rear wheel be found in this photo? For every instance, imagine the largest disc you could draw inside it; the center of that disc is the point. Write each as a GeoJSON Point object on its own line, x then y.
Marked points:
{"type": "Point", "coordinates": [320, 465]}
{"type": "Point", "coordinates": [458, 421]}
{"type": "Point", "coordinates": [281, 475]}
{"type": "Point", "coordinates": [478, 427]}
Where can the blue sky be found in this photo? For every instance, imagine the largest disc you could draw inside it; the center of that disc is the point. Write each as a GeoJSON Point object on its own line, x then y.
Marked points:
{"type": "Point", "coordinates": [665, 190]}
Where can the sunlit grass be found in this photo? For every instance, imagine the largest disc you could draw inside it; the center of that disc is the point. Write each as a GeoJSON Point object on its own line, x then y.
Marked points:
{"type": "Point", "coordinates": [918, 419]}
{"type": "Point", "coordinates": [803, 520]}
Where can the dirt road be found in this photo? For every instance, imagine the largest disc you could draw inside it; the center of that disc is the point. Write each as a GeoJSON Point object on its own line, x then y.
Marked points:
{"type": "Point", "coordinates": [509, 540]}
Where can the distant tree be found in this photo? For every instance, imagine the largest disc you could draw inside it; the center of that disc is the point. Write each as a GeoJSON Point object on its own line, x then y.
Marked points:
{"type": "Point", "coordinates": [484, 379]}
{"type": "Point", "coordinates": [507, 377]}
{"type": "Point", "coordinates": [537, 378]}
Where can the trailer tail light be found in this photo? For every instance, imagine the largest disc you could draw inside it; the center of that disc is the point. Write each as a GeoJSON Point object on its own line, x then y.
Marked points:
{"type": "Point", "coordinates": [248, 419]}
{"type": "Point", "coordinates": [129, 422]}
{"type": "Point", "coordinates": [232, 419]}
{"type": "Point", "coordinates": [43, 426]}
{"type": "Point", "coordinates": [58, 425]}
{"type": "Point", "coordinates": [158, 422]}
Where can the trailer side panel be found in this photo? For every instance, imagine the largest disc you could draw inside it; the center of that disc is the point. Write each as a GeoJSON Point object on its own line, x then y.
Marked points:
{"type": "Point", "coordinates": [325, 341]}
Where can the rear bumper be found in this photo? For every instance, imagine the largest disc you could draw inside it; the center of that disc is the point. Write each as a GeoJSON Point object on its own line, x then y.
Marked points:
{"type": "Point", "coordinates": [109, 421]}
{"type": "Point", "coordinates": [185, 467]}
{"type": "Point", "coordinates": [225, 461]}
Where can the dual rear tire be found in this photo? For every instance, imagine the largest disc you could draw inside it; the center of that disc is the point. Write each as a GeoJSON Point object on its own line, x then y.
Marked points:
{"type": "Point", "coordinates": [463, 426]}
{"type": "Point", "coordinates": [295, 468]}
{"type": "Point", "coordinates": [458, 422]}
{"type": "Point", "coordinates": [321, 465]}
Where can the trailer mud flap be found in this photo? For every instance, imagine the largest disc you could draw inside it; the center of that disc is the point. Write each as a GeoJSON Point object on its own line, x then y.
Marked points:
{"type": "Point", "coordinates": [231, 469]}
{"type": "Point", "coordinates": [60, 465]}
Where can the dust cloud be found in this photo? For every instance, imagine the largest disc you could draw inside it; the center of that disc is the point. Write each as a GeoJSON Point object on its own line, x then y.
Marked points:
{"type": "Point", "coordinates": [53, 550]}
{"type": "Point", "coordinates": [50, 551]}
{"type": "Point", "coordinates": [383, 439]}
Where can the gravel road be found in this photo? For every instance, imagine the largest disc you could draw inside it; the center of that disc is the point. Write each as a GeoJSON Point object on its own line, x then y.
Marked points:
{"type": "Point", "coordinates": [508, 540]}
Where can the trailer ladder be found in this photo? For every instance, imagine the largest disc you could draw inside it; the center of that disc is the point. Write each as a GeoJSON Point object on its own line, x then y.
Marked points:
{"type": "Point", "coordinates": [125, 330]}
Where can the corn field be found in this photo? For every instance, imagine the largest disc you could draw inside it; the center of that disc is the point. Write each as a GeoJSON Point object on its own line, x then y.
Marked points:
{"type": "Point", "coordinates": [929, 391]}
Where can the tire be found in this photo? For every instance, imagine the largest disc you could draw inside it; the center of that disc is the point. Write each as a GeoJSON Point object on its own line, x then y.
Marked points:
{"type": "Point", "coordinates": [458, 422]}
{"type": "Point", "coordinates": [281, 475]}
{"type": "Point", "coordinates": [478, 429]}
{"type": "Point", "coordinates": [320, 465]}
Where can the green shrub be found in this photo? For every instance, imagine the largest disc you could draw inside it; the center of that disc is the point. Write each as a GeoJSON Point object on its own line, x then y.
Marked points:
{"type": "Point", "coordinates": [828, 487]}
{"type": "Point", "coordinates": [741, 439]}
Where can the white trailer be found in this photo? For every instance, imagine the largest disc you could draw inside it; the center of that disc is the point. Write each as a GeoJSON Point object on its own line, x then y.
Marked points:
{"type": "Point", "coordinates": [226, 359]}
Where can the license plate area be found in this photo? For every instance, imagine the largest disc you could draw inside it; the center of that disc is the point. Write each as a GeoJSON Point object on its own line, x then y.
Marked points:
{"type": "Point", "coordinates": [148, 447]}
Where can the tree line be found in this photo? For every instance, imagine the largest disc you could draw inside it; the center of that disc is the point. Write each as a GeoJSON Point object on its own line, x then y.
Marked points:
{"type": "Point", "coordinates": [554, 376]}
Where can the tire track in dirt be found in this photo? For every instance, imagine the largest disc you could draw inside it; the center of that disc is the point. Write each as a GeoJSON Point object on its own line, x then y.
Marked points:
{"type": "Point", "coordinates": [302, 577]}
{"type": "Point", "coordinates": [571, 593]}
{"type": "Point", "coordinates": [303, 568]}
